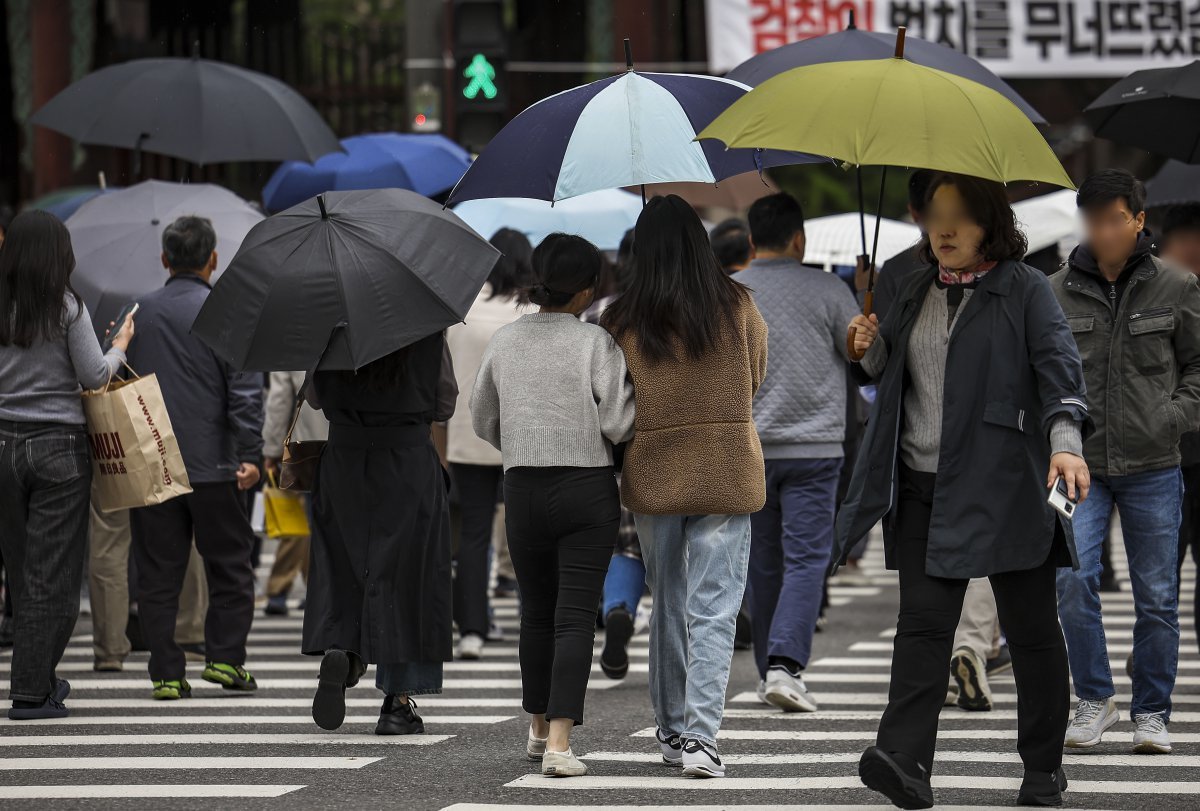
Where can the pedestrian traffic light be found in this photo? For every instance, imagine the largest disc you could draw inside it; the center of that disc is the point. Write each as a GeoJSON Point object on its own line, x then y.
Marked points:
{"type": "Point", "coordinates": [480, 53]}
{"type": "Point", "coordinates": [426, 106]}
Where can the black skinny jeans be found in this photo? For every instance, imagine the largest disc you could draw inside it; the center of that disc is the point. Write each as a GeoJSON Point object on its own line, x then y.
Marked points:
{"type": "Point", "coordinates": [562, 528]}
{"type": "Point", "coordinates": [929, 612]}
{"type": "Point", "coordinates": [478, 493]}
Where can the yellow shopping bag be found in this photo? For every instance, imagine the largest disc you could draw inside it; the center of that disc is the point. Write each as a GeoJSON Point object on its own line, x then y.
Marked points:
{"type": "Point", "coordinates": [285, 514]}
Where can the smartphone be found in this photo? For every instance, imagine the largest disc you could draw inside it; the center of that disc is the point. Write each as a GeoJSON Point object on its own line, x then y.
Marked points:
{"type": "Point", "coordinates": [126, 311]}
{"type": "Point", "coordinates": [1060, 501]}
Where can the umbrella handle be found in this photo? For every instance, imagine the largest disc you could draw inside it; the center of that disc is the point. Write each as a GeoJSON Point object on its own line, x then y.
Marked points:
{"type": "Point", "coordinates": [868, 308]}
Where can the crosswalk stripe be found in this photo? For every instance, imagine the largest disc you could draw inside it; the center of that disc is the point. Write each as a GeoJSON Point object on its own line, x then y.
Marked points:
{"type": "Point", "coordinates": [675, 783]}
{"type": "Point", "coordinates": [310, 683]}
{"type": "Point", "coordinates": [266, 702]}
{"type": "Point", "coordinates": [881, 661]}
{"type": "Point", "coordinates": [160, 791]}
{"type": "Point", "coordinates": [313, 665]}
{"type": "Point", "coordinates": [1125, 737]}
{"type": "Point", "coordinates": [948, 714]}
{"type": "Point", "coordinates": [221, 739]}
{"type": "Point", "coordinates": [234, 720]}
{"type": "Point", "coordinates": [111, 763]}
{"type": "Point", "coordinates": [802, 758]}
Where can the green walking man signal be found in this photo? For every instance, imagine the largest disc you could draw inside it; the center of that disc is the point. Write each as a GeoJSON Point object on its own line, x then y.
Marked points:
{"type": "Point", "coordinates": [481, 73]}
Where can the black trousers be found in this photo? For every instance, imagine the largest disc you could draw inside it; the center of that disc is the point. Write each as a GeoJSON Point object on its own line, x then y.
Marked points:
{"type": "Point", "coordinates": [162, 541]}
{"type": "Point", "coordinates": [929, 613]}
{"type": "Point", "coordinates": [478, 493]}
{"type": "Point", "coordinates": [562, 529]}
{"type": "Point", "coordinates": [1189, 529]}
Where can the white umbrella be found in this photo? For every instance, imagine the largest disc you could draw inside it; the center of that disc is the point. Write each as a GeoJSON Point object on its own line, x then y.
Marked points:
{"type": "Point", "coordinates": [837, 239]}
{"type": "Point", "coordinates": [600, 217]}
{"type": "Point", "coordinates": [117, 238]}
{"type": "Point", "coordinates": [1052, 219]}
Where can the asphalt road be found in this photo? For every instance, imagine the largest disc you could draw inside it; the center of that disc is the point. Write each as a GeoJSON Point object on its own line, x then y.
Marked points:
{"type": "Point", "coordinates": [121, 750]}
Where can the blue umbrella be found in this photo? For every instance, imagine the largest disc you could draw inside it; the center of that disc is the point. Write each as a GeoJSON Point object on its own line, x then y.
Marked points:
{"type": "Point", "coordinates": [428, 164]}
{"type": "Point", "coordinates": [854, 44]}
{"type": "Point", "coordinates": [626, 130]}
{"type": "Point", "coordinates": [65, 202]}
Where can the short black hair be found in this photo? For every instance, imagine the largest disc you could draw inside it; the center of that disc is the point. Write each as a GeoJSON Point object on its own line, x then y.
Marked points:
{"type": "Point", "coordinates": [563, 265]}
{"type": "Point", "coordinates": [918, 189]}
{"type": "Point", "coordinates": [774, 220]}
{"type": "Point", "coordinates": [188, 243]}
{"type": "Point", "coordinates": [731, 243]}
{"type": "Point", "coordinates": [1185, 217]}
{"type": "Point", "coordinates": [1108, 185]}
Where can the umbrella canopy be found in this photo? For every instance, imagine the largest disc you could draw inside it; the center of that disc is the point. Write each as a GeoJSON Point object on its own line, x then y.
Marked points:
{"type": "Point", "coordinates": [626, 130]}
{"type": "Point", "coordinates": [1157, 110]}
{"type": "Point", "coordinates": [344, 279]}
{"type": "Point", "coordinates": [854, 44]}
{"type": "Point", "coordinates": [65, 202]}
{"type": "Point", "coordinates": [117, 238]}
{"type": "Point", "coordinates": [195, 109]}
{"type": "Point", "coordinates": [891, 112]}
{"type": "Point", "coordinates": [834, 240]}
{"type": "Point", "coordinates": [1176, 183]}
{"type": "Point", "coordinates": [1051, 219]}
{"type": "Point", "coordinates": [428, 164]}
{"type": "Point", "coordinates": [600, 217]}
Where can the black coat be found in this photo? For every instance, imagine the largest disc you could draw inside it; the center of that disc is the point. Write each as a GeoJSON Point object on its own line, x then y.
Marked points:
{"type": "Point", "coordinates": [1012, 367]}
{"type": "Point", "coordinates": [379, 580]}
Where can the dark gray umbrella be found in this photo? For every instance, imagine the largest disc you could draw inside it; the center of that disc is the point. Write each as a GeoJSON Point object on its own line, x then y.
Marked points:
{"type": "Point", "coordinates": [1157, 110]}
{"type": "Point", "coordinates": [344, 279]}
{"type": "Point", "coordinates": [195, 109]}
{"type": "Point", "coordinates": [1176, 183]}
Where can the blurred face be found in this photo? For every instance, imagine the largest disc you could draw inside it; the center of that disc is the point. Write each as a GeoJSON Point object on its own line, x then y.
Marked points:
{"type": "Point", "coordinates": [953, 233]}
{"type": "Point", "coordinates": [1183, 249]}
{"type": "Point", "coordinates": [1112, 231]}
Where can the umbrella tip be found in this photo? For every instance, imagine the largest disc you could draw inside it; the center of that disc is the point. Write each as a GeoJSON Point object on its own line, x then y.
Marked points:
{"type": "Point", "coordinates": [628, 55]}
{"type": "Point", "coordinates": [900, 41]}
{"type": "Point", "coordinates": [852, 25]}
{"type": "Point", "coordinates": [321, 204]}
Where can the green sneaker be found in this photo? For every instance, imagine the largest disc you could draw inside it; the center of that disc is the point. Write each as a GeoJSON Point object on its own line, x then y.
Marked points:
{"type": "Point", "coordinates": [231, 677]}
{"type": "Point", "coordinates": [172, 689]}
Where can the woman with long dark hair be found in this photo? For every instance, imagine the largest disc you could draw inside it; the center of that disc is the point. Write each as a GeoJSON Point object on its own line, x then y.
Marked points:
{"type": "Point", "coordinates": [475, 466]}
{"type": "Point", "coordinates": [47, 350]}
{"type": "Point", "coordinates": [980, 408]}
{"type": "Point", "coordinates": [696, 347]}
{"type": "Point", "coordinates": [379, 580]}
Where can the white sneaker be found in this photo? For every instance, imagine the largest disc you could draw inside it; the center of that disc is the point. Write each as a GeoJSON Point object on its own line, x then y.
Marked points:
{"type": "Point", "coordinates": [1151, 737]}
{"type": "Point", "coordinates": [470, 647]}
{"type": "Point", "coordinates": [535, 747]}
{"type": "Point", "coordinates": [1092, 720]}
{"type": "Point", "coordinates": [701, 760]}
{"type": "Point", "coordinates": [788, 692]}
{"type": "Point", "coordinates": [761, 692]}
{"type": "Point", "coordinates": [951, 694]}
{"type": "Point", "coordinates": [562, 764]}
{"type": "Point", "coordinates": [672, 749]}
{"type": "Point", "coordinates": [970, 673]}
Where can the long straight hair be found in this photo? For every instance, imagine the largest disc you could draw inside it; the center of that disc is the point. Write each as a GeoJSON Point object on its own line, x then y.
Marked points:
{"type": "Point", "coordinates": [36, 262]}
{"type": "Point", "coordinates": [679, 297]}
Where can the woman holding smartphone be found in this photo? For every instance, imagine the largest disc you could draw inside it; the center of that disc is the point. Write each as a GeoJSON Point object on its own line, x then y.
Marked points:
{"type": "Point", "coordinates": [980, 410]}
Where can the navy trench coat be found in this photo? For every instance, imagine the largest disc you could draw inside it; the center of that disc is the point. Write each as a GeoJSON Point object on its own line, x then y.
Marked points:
{"type": "Point", "coordinates": [1012, 366]}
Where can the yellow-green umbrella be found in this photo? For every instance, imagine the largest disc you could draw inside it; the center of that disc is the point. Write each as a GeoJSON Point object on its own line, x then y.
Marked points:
{"type": "Point", "coordinates": [891, 112]}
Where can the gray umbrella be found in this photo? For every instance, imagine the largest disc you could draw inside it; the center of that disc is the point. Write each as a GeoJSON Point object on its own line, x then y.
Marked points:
{"type": "Point", "coordinates": [195, 109]}
{"type": "Point", "coordinates": [344, 279]}
{"type": "Point", "coordinates": [117, 239]}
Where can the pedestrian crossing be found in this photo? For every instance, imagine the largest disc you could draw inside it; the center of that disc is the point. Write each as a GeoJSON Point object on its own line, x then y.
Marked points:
{"type": "Point", "coordinates": [120, 746]}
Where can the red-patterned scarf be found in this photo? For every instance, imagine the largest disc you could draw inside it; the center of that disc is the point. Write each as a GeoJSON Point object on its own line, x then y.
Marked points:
{"type": "Point", "coordinates": [950, 277]}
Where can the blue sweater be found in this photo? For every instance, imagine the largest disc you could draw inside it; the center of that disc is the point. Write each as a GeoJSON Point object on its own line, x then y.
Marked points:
{"type": "Point", "coordinates": [800, 411]}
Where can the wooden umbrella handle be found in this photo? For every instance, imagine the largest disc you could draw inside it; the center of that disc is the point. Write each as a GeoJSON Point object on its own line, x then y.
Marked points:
{"type": "Point", "coordinates": [868, 308]}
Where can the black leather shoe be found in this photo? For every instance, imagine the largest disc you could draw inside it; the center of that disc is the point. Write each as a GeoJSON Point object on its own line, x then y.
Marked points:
{"type": "Point", "coordinates": [618, 629]}
{"type": "Point", "coordinates": [897, 777]}
{"type": "Point", "coordinates": [399, 718]}
{"type": "Point", "coordinates": [329, 704]}
{"type": "Point", "coordinates": [1043, 789]}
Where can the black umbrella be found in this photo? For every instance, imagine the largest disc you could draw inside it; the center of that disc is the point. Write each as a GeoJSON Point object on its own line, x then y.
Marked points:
{"type": "Point", "coordinates": [1176, 183]}
{"type": "Point", "coordinates": [344, 279]}
{"type": "Point", "coordinates": [195, 109]}
{"type": "Point", "coordinates": [1157, 110]}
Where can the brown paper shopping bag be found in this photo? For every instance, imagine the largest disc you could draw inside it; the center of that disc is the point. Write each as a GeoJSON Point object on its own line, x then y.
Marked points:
{"type": "Point", "coordinates": [135, 456]}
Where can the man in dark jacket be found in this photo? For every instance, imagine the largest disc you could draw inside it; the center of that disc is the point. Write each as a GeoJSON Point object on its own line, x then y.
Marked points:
{"type": "Point", "coordinates": [1136, 322]}
{"type": "Point", "coordinates": [217, 415]}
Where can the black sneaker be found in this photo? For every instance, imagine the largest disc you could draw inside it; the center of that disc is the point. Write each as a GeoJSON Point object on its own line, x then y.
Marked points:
{"type": "Point", "coordinates": [50, 708]}
{"type": "Point", "coordinates": [1001, 662]}
{"type": "Point", "coordinates": [276, 606]}
{"type": "Point", "coordinates": [883, 772]}
{"type": "Point", "coordinates": [399, 718]}
{"type": "Point", "coordinates": [329, 704]}
{"type": "Point", "coordinates": [618, 630]}
{"type": "Point", "coordinates": [1043, 789]}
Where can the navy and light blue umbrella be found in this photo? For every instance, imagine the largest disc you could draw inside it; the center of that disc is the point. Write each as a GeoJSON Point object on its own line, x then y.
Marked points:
{"type": "Point", "coordinates": [428, 164]}
{"type": "Point", "coordinates": [626, 130]}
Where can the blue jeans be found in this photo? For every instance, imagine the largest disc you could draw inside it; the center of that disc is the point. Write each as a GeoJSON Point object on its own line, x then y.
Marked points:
{"type": "Point", "coordinates": [409, 678]}
{"type": "Point", "coordinates": [696, 569]}
{"type": "Point", "coordinates": [624, 584]}
{"type": "Point", "coordinates": [791, 541]}
{"type": "Point", "coordinates": [1150, 505]}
